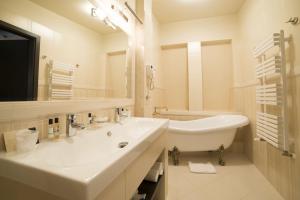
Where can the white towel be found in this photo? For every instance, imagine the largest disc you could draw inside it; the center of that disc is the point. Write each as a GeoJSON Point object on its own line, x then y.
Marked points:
{"type": "Point", "coordinates": [152, 175]}
{"type": "Point", "coordinates": [203, 168]}
{"type": "Point", "coordinates": [138, 196]}
{"type": "Point", "coordinates": [156, 170]}
{"type": "Point", "coordinates": [159, 166]}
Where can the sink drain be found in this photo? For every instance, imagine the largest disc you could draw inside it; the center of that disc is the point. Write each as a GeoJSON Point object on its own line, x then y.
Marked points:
{"type": "Point", "coordinates": [122, 144]}
{"type": "Point", "coordinates": [109, 133]}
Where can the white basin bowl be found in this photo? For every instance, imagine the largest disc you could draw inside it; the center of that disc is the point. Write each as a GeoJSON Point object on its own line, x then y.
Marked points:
{"type": "Point", "coordinates": [80, 167]}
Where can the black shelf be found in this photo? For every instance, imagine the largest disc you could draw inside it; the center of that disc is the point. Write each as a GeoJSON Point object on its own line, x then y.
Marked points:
{"type": "Point", "coordinates": [149, 188]}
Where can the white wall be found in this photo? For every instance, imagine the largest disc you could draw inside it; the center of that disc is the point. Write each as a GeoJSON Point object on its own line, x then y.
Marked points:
{"type": "Point", "coordinates": [257, 20]}
{"type": "Point", "coordinates": [195, 83]}
{"type": "Point", "coordinates": [207, 29]}
{"type": "Point", "coordinates": [152, 57]}
{"type": "Point", "coordinates": [217, 67]}
{"type": "Point", "coordinates": [215, 28]}
{"type": "Point", "coordinates": [175, 75]}
{"type": "Point", "coordinates": [115, 41]}
{"type": "Point", "coordinates": [116, 75]}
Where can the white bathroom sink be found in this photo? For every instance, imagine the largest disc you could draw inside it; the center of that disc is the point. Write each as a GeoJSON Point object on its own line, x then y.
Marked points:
{"type": "Point", "coordinates": [80, 167]}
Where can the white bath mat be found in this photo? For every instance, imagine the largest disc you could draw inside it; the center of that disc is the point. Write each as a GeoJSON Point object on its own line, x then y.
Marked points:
{"type": "Point", "coordinates": [202, 168]}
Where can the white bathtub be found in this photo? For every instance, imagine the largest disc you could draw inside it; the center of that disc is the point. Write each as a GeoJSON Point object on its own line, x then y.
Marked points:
{"type": "Point", "coordinates": [206, 134]}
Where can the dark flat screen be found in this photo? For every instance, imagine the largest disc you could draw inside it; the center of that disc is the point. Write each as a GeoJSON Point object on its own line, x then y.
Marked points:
{"type": "Point", "coordinates": [19, 52]}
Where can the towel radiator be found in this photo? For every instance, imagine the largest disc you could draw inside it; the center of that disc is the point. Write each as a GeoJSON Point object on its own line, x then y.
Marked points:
{"type": "Point", "coordinates": [271, 94]}
{"type": "Point", "coordinates": [61, 79]}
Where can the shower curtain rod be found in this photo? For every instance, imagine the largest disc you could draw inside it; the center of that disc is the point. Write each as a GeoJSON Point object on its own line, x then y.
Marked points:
{"type": "Point", "coordinates": [132, 12]}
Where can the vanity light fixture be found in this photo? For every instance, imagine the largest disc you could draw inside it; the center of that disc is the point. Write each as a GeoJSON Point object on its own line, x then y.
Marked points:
{"type": "Point", "coordinates": [104, 11]}
{"type": "Point", "coordinates": [102, 16]}
{"type": "Point", "coordinates": [95, 12]}
{"type": "Point", "coordinates": [111, 13]}
{"type": "Point", "coordinates": [109, 23]}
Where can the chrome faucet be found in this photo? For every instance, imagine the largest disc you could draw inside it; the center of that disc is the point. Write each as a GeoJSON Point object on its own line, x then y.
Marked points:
{"type": "Point", "coordinates": [72, 126]}
{"type": "Point", "coordinates": [120, 113]}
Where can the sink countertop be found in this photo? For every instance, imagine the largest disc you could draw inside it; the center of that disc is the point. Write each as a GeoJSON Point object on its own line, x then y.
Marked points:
{"type": "Point", "coordinates": [80, 167]}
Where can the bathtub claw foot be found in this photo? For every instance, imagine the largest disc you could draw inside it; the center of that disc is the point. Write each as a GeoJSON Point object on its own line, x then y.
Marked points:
{"type": "Point", "coordinates": [221, 152]}
{"type": "Point", "coordinates": [175, 155]}
{"type": "Point", "coordinates": [222, 162]}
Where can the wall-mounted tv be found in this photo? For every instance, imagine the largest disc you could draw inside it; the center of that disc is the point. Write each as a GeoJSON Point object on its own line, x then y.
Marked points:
{"type": "Point", "coordinates": [19, 63]}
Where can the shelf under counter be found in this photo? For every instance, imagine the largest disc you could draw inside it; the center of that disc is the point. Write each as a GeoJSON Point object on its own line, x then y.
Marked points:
{"type": "Point", "coordinates": [150, 188]}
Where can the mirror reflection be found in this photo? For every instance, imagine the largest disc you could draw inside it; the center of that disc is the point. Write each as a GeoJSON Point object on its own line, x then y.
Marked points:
{"type": "Point", "coordinates": [117, 68]}
{"type": "Point", "coordinates": [81, 55]}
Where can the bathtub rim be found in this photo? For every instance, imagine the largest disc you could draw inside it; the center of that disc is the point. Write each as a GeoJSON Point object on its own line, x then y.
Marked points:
{"type": "Point", "coordinates": [205, 113]}
{"type": "Point", "coordinates": [243, 122]}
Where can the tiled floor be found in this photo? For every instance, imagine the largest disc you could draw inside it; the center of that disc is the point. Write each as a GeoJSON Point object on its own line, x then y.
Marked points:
{"type": "Point", "coordinates": [238, 180]}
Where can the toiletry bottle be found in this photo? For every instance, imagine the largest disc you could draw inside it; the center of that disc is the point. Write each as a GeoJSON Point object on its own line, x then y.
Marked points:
{"type": "Point", "coordinates": [50, 129]}
{"type": "Point", "coordinates": [33, 129]}
{"type": "Point", "coordinates": [90, 119]}
{"type": "Point", "coordinates": [56, 127]}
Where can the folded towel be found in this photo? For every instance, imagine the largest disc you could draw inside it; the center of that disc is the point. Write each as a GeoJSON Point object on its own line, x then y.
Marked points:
{"type": "Point", "coordinates": [202, 168]}
{"type": "Point", "coordinates": [138, 196]}
{"type": "Point", "coordinates": [152, 175]}
{"type": "Point", "coordinates": [156, 170]}
{"type": "Point", "coordinates": [159, 166]}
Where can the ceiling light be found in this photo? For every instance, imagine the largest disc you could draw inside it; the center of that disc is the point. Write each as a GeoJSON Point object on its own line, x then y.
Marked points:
{"type": "Point", "coordinates": [96, 12]}
{"type": "Point", "coordinates": [109, 23]}
{"type": "Point", "coordinates": [93, 12]}
{"type": "Point", "coordinates": [111, 13]}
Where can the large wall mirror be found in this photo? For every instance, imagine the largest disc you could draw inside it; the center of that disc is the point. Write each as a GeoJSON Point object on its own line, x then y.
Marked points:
{"type": "Point", "coordinates": [74, 35]}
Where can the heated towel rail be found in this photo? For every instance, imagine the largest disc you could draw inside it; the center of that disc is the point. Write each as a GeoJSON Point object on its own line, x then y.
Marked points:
{"type": "Point", "coordinates": [61, 79]}
{"type": "Point", "coordinates": [271, 94]}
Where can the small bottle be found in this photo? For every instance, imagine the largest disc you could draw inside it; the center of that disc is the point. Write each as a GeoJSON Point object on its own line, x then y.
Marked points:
{"type": "Point", "coordinates": [50, 129]}
{"type": "Point", "coordinates": [90, 118]}
{"type": "Point", "coordinates": [56, 127]}
{"type": "Point", "coordinates": [33, 129]}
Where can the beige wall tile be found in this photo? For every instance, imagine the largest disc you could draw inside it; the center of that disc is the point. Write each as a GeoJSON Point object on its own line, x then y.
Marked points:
{"type": "Point", "coordinates": [175, 66]}
{"type": "Point", "coordinates": [282, 172]}
{"type": "Point", "coordinates": [217, 64]}
{"type": "Point", "coordinates": [42, 123]}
